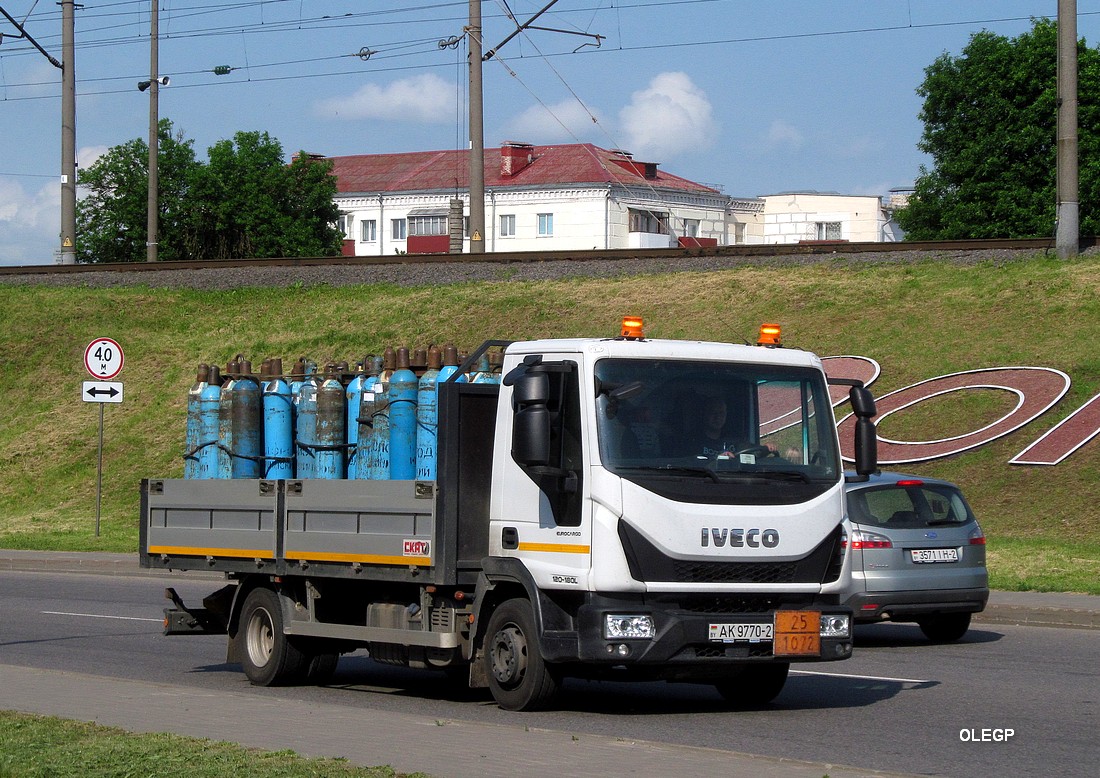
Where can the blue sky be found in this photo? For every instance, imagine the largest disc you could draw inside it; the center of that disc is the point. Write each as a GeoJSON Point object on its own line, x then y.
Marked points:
{"type": "Point", "coordinates": [752, 97]}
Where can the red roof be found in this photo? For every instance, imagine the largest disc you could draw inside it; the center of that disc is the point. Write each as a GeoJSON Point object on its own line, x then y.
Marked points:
{"type": "Point", "coordinates": [580, 163]}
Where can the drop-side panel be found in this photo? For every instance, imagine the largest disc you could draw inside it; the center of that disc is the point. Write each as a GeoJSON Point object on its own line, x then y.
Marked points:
{"type": "Point", "coordinates": [189, 522]}
{"type": "Point", "coordinates": [357, 525]}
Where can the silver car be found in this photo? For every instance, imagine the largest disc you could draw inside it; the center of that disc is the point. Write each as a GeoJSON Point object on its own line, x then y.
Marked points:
{"type": "Point", "coordinates": [917, 554]}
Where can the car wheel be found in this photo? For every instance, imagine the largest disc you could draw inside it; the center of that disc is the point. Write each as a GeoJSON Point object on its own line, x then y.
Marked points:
{"type": "Point", "coordinates": [944, 627]}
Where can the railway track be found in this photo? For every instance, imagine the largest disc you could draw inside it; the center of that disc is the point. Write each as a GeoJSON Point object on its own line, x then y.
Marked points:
{"type": "Point", "coordinates": [822, 248]}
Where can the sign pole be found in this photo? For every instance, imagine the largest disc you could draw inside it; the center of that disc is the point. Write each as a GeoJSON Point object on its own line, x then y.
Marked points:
{"type": "Point", "coordinates": [103, 359]}
{"type": "Point", "coordinates": [99, 473]}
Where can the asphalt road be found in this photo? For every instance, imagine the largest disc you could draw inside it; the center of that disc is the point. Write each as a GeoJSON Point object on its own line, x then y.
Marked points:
{"type": "Point", "coordinates": [900, 705]}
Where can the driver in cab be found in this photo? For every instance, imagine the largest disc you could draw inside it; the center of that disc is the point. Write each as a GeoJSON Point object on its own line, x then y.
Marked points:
{"type": "Point", "coordinates": [711, 439]}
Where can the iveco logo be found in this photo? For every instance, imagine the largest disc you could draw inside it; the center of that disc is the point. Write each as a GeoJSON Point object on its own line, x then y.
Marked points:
{"type": "Point", "coordinates": [740, 538]}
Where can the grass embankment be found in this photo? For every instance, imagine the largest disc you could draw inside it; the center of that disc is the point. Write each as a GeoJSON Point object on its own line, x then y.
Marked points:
{"type": "Point", "coordinates": [34, 746]}
{"type": "Point", "coordinates": [918, 321]}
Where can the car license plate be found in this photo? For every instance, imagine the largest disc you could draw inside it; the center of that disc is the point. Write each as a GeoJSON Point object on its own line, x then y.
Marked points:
{"type": "Point", "coordinates": [741, 633]}
{"type": "Point", "coordinates": [929, 556]}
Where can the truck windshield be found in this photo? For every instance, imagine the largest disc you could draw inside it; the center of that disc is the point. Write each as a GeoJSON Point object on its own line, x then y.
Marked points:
{"type": "Point", "coordinates": [719, 422]}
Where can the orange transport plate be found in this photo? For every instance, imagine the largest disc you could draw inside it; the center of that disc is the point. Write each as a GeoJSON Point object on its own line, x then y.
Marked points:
{"type": "Point", "coordinates": [797, 633]}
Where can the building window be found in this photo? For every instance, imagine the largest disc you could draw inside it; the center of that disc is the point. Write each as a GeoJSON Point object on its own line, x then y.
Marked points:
{"type": "Point", "coordinates": [397, 229]}
{"type": "Point", "coordinates": [546, 225]}
{"type": "Point", "coordinates": [691, 228]}
{"type": "Point", "coordinates": [368, 231]}
{"type": "Point", "coordinates": [508, 226]}
{"type": "Point", "coordinates": [343, 224]}
{"type": "Point", "coordinates": [428, 225]}
{"type": "Point", "coordinates": [827, 231]}
{"type": "Point", "coordinates": [653, 222]}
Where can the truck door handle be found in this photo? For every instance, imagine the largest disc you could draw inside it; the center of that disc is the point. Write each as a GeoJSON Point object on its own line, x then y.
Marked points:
{"type": "Point", "coordinates": [509, 538]}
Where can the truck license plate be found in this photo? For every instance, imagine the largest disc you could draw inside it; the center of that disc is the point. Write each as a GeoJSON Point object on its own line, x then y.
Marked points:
{"type": "Point", "coordinates": [930, 556]}
{"type": "Point", "coordinates": [741, 633]}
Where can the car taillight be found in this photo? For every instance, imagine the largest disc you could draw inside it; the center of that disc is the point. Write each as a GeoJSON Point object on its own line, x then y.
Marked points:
{"type": "Point", "coordinates": [862, 539]}
{"type": "Point", "coordinates": [977, 537]}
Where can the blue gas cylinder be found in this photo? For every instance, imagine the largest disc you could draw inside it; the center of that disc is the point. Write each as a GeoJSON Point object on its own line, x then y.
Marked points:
{"type": "Point", "coordinates": [247, 450]}
{"type": "Point", "coordinates": [305, 414]}
{"type": "Point", "coordinates": [209, 406]}
{"type": "Point", "coordinates": [378, 443]}
{"type": "Point", "coordinates": [402, 402]}
{"type": "Point", "coordinates": [224, 468]}
{"type": "Point", "coordinates": [427, 417]}
{"type": "Point", "coordinates": [331, 434]}
{"type": "Point", "coordinates": [194, 423]}
{"type": "Point", "coordinates": [353, 394]}
{"type": "Point", "coordinates": [481, 373]}
{"type": "Point", "coordinates": [278, 424]}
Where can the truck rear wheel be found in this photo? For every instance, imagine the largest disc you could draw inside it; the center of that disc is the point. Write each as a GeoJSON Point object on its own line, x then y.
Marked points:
{"type": "Point", "coordinates": [518, 676]}
{"type": "Point", "coordinates": [755, 685]}
{"type": "Point", "coordinates": [267, 657]}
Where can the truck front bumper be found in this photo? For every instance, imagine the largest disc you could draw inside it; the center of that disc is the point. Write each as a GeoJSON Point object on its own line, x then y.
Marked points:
{"type": "Point", "coordinates": [688, 639]}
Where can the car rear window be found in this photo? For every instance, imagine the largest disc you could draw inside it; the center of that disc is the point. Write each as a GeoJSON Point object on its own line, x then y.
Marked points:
{"type": "Point", "coordinates": [908, 506]}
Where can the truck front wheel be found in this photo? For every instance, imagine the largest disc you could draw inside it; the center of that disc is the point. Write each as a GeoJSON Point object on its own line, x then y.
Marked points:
{"type": "Point", "coordinates": [755, 685]}
{"type": "Point", "coordinates": [518, 676]}
{"type": "Point", "coordinates": [267, 657]}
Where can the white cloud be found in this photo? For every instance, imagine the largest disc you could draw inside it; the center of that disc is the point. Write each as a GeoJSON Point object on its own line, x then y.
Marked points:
{"type": "Point", "coordinates": [782, 135]}
{"type": "Point", "coordinates": [565, 121]}
{"type": "Point", "coordinates": [87, 156]}
{"type": "Point", "coordinates": [670, 116]}
{"type": "Point", "coordinates": [425, 98]}
{"type": "Point", "coordinates": [30, 214]}
{"type": "Point", "coordinates": [30, 220]}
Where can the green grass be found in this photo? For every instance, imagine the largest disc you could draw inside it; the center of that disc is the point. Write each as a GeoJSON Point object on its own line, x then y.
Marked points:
{"type": "Point", "coordinates": [918, 320]}
{"type": "Point", "coordinates": [47, 747]}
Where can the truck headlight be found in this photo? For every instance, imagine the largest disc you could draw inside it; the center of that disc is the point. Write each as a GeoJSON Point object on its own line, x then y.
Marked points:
{"type": "Point", "coordinates": [618, 626]}
{"type": "Point", "coordinates": [835, 626]}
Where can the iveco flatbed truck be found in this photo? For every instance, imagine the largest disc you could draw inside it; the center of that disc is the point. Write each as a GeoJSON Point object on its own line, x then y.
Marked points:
{"type": "Point", "coordinates": [575, 528]}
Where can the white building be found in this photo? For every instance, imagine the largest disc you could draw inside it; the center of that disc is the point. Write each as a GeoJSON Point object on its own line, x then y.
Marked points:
{"type": "Point", "coordinates": [567, 197]}
{"type": "Point", "coordinates": [801, 217]}
{"type": "Point", "coordinates": [574, 197]}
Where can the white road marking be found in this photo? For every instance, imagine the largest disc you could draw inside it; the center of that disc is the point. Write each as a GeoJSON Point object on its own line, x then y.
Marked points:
{"type": "Point", "coordinates": [100, 616]}
{"type": "Point", "coordinates": [860, 677]}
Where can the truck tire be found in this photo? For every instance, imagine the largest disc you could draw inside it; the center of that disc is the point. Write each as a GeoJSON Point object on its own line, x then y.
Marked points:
{"type": "Point", "coordinates": [518, 676]}
{"type": "Point", "coordinates": [944, 627]}
{"type": "Point", "coordinates": [267, 657]}
{"type": "Point", "coordinates": [756, 685]}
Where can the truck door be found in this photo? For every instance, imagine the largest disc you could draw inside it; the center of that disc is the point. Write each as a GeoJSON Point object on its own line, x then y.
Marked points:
{"type": "Point", "coordinates": [542, 514]}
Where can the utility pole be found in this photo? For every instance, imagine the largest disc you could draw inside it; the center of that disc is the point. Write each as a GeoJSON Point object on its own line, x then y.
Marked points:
{"type": "Point", "coordinates": [477, 133]}
{"type": "Point", "coordinates": [1067, 235]}
{"type": "Point", "coordinates": [68, 134]}
{"type": "Point", "coordinates": [154, 135]}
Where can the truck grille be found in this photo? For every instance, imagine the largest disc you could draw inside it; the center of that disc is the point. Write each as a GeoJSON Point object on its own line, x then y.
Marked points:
{"type": "Point", "coordinates": [648, 563]}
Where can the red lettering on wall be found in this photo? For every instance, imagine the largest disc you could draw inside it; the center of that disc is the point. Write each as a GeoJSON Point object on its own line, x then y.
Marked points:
{"type": "Point", "coordinates": [1038, 388]}
{"type": "Point", "coordinates": [862, 369]}
{"type": "Point", "coordinates": [1064, 438]}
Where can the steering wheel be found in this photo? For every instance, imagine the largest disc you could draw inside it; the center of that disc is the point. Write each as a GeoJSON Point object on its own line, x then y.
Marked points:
{"type": "Point", "coordinates": [757, 450]}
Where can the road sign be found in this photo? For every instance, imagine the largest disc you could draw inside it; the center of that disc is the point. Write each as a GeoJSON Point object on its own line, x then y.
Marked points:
{"type": "Point", "coordinates": [102, 392]}
{"type": "Point", "coordinates": [103, 358]}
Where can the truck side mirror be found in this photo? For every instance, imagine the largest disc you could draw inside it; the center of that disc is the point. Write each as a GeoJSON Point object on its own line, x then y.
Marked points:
{"type": "Point", "coordinates": [863, 406]}
{"type": "Point", "coordinates": [531, 419]}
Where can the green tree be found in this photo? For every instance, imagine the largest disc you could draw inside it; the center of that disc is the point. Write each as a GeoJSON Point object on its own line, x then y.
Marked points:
{"type": "Point", "coordinates": [245, 202]}
{"type": "Point", "coordinates": [248, 203]}
{"type": "Point", "coordinates": [112, 216]}
{"type": "Point", "coordinates": [990, 127]}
